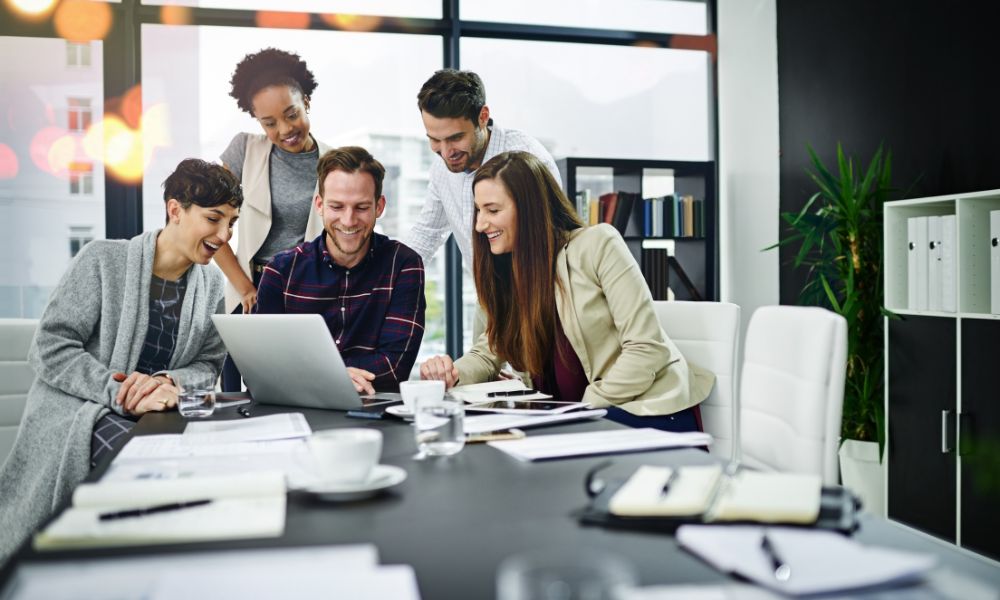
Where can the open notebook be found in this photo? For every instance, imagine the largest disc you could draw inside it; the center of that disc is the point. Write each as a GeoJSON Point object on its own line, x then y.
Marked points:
{"type": "Point", "coordinates": [707, 492]}
{"type": "Point", "coordinates": [251, 505]}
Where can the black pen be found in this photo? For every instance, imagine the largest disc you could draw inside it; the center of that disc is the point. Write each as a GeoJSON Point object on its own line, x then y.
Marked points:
{"type": "Point", "coordinates": [782, 571]}
{"type": "Point", "coordinates": [139, 512]}
{"type": "Point", "coordinates": [526, 392]}
{"type": "Point", "coordinates": [674, 476]}
{"type": "Point", "coordinates": [243, 411]}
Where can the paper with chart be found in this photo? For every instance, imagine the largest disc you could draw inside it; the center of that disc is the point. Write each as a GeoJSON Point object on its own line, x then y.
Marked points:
{"type": "Point", "coordinates": [172, 456]}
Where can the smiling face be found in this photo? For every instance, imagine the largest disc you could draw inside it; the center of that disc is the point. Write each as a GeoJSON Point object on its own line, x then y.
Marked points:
{"type": "Point", "coordinates": [496, 215]}
{"type": "Point", "coordinates": [458, 141]}
{"type": "Point", "coordinates": [200, 231]}
{"type": "Point", "coordinates": [281, 112]}
{"type": "Point", "coordinates": [349, 209]}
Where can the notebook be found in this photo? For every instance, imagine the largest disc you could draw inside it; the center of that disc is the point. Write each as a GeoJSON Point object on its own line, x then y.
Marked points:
{"type": "Point", "coordinates": [706, 492]}
{"type": "Point", "coordinates": [250, 505]}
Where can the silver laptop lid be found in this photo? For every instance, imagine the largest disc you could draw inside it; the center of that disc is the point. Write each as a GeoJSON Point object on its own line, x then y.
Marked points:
{"type": "Point", "coordinates": [289, 360]}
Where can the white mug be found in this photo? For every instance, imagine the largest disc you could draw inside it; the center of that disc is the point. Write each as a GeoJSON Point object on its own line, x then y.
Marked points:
{"type": "Point", "coordinates": [346, 456]}
{"type": "Point", "coordinates": [424, 389]}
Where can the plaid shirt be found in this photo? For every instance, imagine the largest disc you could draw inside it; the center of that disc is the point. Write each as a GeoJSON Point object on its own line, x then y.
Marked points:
{"type": "Point", "coordinates": [374, 310]}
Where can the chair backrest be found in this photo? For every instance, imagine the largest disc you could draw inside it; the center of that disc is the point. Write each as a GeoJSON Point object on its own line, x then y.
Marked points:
{"type": "Point", "coordinates": [792, 390]}
{"type": "Point", "coordinates": [16, 377]}
{"type": "Point", "coordinates": [707, 334]}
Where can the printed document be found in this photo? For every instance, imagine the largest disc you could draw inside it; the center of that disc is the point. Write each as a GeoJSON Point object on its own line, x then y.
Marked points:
{"type": "Point", "coordinates": [598, 442]}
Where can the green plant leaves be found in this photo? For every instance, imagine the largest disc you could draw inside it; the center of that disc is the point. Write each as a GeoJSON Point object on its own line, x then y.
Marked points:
{"type": "Point", "coordinates": [838, 240]}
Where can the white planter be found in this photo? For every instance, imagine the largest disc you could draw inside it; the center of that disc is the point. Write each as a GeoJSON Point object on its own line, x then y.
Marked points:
{"type": "Point", "coordinates": [863, 474]}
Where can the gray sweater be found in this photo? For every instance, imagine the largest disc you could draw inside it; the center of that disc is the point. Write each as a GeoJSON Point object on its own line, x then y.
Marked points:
{"type": "Point", "coordinates": [93, 326]}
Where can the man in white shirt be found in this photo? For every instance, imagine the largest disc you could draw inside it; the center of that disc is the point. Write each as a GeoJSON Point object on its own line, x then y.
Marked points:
{"type": "Point", "coordinates": [458, 124]}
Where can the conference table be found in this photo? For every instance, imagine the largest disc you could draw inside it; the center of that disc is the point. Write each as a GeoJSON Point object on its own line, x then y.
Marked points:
{"type": "Point", "coordinates": [455, 519]}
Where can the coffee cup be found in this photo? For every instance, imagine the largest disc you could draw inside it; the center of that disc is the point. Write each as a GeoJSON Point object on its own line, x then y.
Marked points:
{"type": "Point", "coordinates": [424, 389]}
{"type": "Point", "coordinates": [346, 456]}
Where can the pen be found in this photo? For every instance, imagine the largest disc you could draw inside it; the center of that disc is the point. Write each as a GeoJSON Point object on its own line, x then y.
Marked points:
{"type": "Point", "coordinates": [139, 512]}
{"type": "Point", "coordinates": [526, 392]}
{"type": "Point", "coordinates": [243, 411]}
{"type": "Point", "coordinates": [782, 572]}
{"type": "Point", "coordinates": [674, 476]}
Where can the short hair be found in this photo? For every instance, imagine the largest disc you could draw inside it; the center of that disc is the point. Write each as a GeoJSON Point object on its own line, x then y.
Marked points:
{"type": "Point", "coordinates": [350, 159]}
{"type": "Point", "coordinates": [269, 67]}
{"type": "Point", "coordinates": [450, 94]}
{"type": "Point", "coordinates": [195, 181]}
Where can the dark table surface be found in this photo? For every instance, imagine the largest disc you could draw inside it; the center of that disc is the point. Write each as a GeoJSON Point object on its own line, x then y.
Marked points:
{"type": "Point", "coordinates": [456, 518]}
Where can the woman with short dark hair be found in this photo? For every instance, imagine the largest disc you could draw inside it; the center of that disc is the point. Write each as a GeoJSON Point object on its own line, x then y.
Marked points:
{"type": "Point", "coordinates": [128, 324]}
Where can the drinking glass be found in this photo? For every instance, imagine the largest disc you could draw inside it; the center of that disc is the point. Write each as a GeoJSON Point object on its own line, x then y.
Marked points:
{"type": "Point", "coordinates": [196, 397]}
{"type": "Point", "coordinates": [438, 423]}
{"type": "Point", "coordinates": [564, 574]}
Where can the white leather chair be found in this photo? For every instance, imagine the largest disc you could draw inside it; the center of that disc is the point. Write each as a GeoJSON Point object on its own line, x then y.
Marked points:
{"type": "Point", "coordinates": [792, 390]}
{"type": "Point", "coordinates": [15, 377]}
{"type": "Point", "coordinates": [708, 334]}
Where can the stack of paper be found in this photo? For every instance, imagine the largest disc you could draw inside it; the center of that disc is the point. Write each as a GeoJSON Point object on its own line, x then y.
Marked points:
{"type": "Point", "coordinates": [273, 427]}
{"type": "Point", "coordinates": [819, 561]}
{"type": "Point", "coordinates": [479, 392]}
{"type": "Point", "coordinates": [489, 423]}
{"type": "Point", "coordinates": [598, 442]}
{"type": "Point", "coordinates": [240, 506]}
{"type": "Point", "coordinates": [305, 573]}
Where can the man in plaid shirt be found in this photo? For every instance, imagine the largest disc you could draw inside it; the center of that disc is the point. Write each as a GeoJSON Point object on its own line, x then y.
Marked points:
{"type": "Point", "coordinates": [369, 288]}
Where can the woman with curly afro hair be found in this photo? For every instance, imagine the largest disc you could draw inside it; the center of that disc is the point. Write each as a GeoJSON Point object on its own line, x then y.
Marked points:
{"type": "Point", "coordinates": [277, 169]}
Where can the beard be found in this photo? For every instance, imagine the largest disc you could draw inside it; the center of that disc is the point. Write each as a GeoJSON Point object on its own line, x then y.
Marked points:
{"type": "Point", "coordinates": [361, 241]}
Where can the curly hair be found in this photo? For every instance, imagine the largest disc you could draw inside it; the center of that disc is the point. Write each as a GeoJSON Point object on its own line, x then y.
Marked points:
{"type": "Point", "coordinates": [206, 184]}
{"type": "Point", "coordinates": [269, 67]}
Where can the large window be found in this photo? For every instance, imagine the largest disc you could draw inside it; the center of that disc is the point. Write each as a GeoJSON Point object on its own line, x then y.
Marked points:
{"type": "Point", "coordinates": [51, 179]}
{"type": "Point", "coordinates": [86, 151]}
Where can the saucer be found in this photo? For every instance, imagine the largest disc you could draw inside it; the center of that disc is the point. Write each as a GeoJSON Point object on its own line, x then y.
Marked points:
{"type": "Point", "coordinates": [400, 411]}
{"type": "Point", "coordinates": [381, 477]}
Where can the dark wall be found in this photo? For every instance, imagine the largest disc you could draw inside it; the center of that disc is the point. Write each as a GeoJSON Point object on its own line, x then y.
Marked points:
{"type": "Point", "coordinates": [923, 76]}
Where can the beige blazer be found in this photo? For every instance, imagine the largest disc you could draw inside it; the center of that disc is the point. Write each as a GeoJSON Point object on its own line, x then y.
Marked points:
{"type": "Point", "coordinates": [607, 315]}
{"type": "Point", "coordinates": [255, 216]}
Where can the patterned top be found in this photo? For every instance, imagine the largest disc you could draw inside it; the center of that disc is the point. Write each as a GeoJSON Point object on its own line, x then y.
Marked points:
{"type": "Point", "coordinates": [374, 310]}
{"type": "Point", "coordinates": [449, 207]}
{"type": "Point", "coordinates": [165, 301]}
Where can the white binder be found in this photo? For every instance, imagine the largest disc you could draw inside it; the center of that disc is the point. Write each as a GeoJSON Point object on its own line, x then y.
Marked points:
{"type": "Point", "coordinates": [919, 254]}
{"type": "Point", "coordinates": [949, 249]}
{"type": "Point", "coordinates": [911, 263]}
{"type": "Point", "coordinates": [934, 264]}
{"type": "Point", "coordinates": [995, 262]}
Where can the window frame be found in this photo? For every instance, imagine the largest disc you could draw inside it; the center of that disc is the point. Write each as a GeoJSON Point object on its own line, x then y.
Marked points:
{"type": "Point", "coordinates": [122, 71]}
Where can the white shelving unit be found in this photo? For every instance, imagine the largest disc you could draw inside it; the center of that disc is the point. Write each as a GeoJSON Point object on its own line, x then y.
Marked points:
{"type": "Point", "coordinates": [936, 431]}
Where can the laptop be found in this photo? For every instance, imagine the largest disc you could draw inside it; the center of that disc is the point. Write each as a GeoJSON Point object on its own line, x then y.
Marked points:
{"type": "Point", "coordinates": [289, 360]}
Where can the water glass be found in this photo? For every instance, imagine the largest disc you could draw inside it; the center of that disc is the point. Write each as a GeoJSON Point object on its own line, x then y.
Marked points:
{"type": "Point", "coordinates": [564, 574]}
{"type": "Point", "coordinates": [438, 423]}
{"type": "Point", "coordinates": [196, 397]}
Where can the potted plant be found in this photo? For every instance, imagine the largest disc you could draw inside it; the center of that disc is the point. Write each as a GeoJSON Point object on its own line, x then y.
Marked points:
{"type": "Point", "coordinates": [838, 234]}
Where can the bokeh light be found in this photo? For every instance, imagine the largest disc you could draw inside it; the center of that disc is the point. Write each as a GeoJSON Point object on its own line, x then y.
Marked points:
{"type": "Point", "coordinates": [32, 10]}
{"type": "Point", "coordinates": [131, 106]}
{"type": "Point", "coordinates": [83, 20]}
{"type": "Point", "coordinates": [41, 148]}
{"type": "Point", "coordinates": [175, 15]}
{"type": "Point", "coordinates": [282, 20]}
{"type": "Point", "coordinates": [352, 22]}
{"type": "Point", "coordinates": [62, 153]}
{"type": "Point", "coordinates": [8, 162]}
{"type": "Point", "coordinates": [118, 146]}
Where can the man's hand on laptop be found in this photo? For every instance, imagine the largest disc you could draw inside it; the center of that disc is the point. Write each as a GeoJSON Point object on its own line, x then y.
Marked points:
{"type": "Point", "coordinates": [362, 380]}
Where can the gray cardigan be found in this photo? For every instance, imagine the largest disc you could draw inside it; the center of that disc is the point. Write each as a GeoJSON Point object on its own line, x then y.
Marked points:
{"type": "Point", "coordinates": [94, 325]}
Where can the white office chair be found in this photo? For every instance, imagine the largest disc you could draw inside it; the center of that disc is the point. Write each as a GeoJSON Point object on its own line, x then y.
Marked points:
{"type": "Point", "coordinates": [15, 377]}
{"type": "Point", "coordinates": [792, 390]}
{"type": "Point", "coordinates": [708, 334]}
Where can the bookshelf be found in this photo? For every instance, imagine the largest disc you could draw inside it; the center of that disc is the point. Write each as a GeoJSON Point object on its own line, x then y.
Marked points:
{"type": "Point", "coordinates": [941, 405]}
{"type": "Point", "coordinates": [695, 256]}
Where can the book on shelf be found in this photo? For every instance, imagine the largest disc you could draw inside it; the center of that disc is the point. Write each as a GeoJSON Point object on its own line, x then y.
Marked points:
{"type": "Point", "coordinates": [583, 205]}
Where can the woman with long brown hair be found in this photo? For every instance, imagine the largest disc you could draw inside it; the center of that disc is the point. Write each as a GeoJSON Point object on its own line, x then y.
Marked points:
{"type": "Point", "coordinates": [567, 305]}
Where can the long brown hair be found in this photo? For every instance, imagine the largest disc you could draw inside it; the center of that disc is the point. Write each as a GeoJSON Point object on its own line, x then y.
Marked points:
{"type": "Point", "coordinates": [517, 290]}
